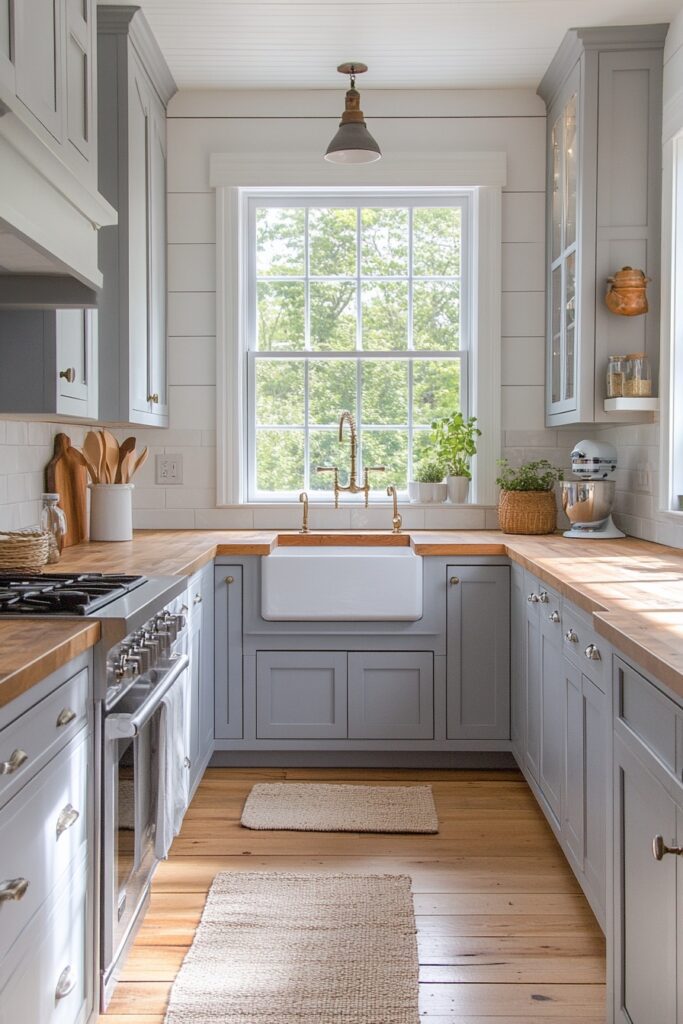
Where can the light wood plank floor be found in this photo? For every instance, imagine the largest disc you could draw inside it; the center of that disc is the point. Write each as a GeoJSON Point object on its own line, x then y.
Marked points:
{"type": "Point", "coordinates": [505, 934]}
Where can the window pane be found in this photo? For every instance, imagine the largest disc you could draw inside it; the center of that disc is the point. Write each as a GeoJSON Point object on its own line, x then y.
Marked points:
{"type": "Point", "coordinates": [436, 315]}
{"type": "Point", "coordinates": [385, 391]}
{"type": "Point", "coordinates": [386, 448]}
{"type": "Point", "coordinates": [279, 460]}
{"type": "Point", "coordinates": [332, 242]}
{"type": "Point", "coordinates": [436, 241]}
{"type": "Point", "coordinates": [333, 315]}
{"type": "Point", "coordinates": [281, 316]}
{"type": "Point", "coordinates": [423, 448]}
{"type": "Point", "coordinates": [385, 315]}
{"type": "Point", "coordinates": [332, 388]}
{"type": "Point", "coordinates": [325, 450]}
{"type": "Point", "coordinates": [280, 391]}
{"type": "Point", "coordinates": [280, 242]}
{"type": "Point", "coordinates": [384, 247]}
{"type": "Point", "coordinates": [436, 389]}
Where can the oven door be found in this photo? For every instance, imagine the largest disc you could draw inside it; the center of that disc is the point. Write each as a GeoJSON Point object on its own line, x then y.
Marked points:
{"type": "Point", "coordinates": [131, 774]}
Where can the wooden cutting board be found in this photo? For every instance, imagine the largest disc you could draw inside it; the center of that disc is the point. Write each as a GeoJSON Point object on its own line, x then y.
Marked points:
{"type": "Point", "coordinates": [64, 476]}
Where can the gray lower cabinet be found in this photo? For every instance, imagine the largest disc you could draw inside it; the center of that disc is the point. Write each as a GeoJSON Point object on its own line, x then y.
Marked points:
{"type": "Point", "coordinates": [391, 695]}
{"type": "Point", "coordinates": [517, 662]}
{"type": "Point", "coordinates": [551, 739]}
{"type": "Point", "coordinates": [301, 695]}
{"type": "Point", "coordinates": [478, 652]}
{"type": "Point", "coordinates": [532, 677]}
{"type": "Point", "coordinates": [228, 672]}
{"type": "Point", "coordinates": [200, 646]}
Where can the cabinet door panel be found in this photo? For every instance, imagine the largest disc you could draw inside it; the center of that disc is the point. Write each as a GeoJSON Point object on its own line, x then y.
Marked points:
{"type": "Point", "coordinates": [301, 695]}
{"type": "Point", "coordinates": [38, 61]}
{"type": "Point", "coordinates": [552, 740]}
{"type": "Point", "coordinates": [517, 662]}
{"type": "Point", "coordinates": [574, 781]}
{"type": "Point", "coordinates": [157, 259]}
{"type": "Point", "coordinates": [79, 76]}
{"type": "Point", "coordinates": [196, 642]}
{"type": "Point", "coordinates": [206, 682]}
{"type": "Point", "coordinates": [645, 893]}
{"type": "Point", "coordinates": [391, 695]}
{"type": "Point", "coordinates": [533, 696]}
{"type": "Point", "coordinates": [7, 47]}
{"type": "Point", "coordinates": [228, 651]}
{"type": "Point", "coordinates": [75, 337]}
{"type": "Point", "coordinates": [596, 725]}
{"type": "Point", "coordinates": [478, 653]}
{"type": "Point", "coordinates": [139, 305]}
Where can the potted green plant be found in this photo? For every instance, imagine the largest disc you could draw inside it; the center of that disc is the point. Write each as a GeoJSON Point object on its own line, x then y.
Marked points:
{"type": "Point", "coordinates": [455, 441]}
{"type": "Point", "coordinates": [428, 484]}
{"type": "Point", "coordinates": [527, 500]}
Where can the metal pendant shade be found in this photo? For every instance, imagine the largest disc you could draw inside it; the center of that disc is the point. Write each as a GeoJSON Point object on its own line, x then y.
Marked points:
{"type": "Point", "coordinates": [353, 143]}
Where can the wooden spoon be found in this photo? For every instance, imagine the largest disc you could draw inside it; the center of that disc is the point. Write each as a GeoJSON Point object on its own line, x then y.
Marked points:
{"type": "Point", "coordinates": [92, 450]}
{"type": "Point", "coordinates": [125, 465]}
{"type": "Point", "coordinates": [139, 462]}
{"type": "Point", "coordinates": [111, 455]}
{"type": "Point", "coordinates": [125, 448]}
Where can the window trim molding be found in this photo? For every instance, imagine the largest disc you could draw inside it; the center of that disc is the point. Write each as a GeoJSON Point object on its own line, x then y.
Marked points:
{"type": "Point", "coordinates": [484, 173]}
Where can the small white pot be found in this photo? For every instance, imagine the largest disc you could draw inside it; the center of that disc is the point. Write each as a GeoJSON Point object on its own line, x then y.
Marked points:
{"type": "Point", "coordinates": [111, 511]}
{"type": "Point", "coordinates": [427, 494]}
{"type": "Point", "coordinates": [458, 487]}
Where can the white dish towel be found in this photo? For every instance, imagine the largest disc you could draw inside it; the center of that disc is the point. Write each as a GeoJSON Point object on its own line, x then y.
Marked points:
{"type": "Point", "coordinates": [174, 773]}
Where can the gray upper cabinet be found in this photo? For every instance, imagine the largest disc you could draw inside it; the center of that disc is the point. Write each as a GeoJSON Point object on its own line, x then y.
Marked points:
{"type": "Point", "coordinates": [39, 60]}
{"type": "Point", "coordinates": [603, 94]}
{"type": "Point", "coordinates": [134, 86]}
{"type": "Point", "coordinates": [50, 362]}
{"type": "Point", "coordinates": [478, 652]}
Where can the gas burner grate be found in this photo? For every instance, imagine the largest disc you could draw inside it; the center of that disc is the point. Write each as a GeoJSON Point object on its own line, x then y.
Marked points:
{"type": "Point", "coordinates": [62, 593]}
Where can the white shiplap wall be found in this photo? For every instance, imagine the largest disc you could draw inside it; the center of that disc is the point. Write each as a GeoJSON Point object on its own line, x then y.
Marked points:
{"type": "Point", "coordinates": [202, 123]}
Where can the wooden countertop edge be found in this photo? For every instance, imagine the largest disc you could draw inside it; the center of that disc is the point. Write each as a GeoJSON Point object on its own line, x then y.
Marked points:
{"type": "Point", "coordinates": [20, 679]}
{"type": "Point", "coordinates": [648, 659]}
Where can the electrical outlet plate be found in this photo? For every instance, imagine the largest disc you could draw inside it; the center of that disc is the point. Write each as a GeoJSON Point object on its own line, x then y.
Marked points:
{"type": "Point", "coordinates": [169, 469]}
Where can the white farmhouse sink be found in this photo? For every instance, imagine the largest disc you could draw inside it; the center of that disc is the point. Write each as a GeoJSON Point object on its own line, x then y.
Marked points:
{"type": "Point", "coordinates": [341, 583]}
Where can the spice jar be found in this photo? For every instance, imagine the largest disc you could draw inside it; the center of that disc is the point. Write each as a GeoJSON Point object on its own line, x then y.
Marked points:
{"type": "Point", "coordinates": [637, 376]}
{"type": "Point", "coordinates": [53, 522]}
{"type": "Point", "coordinates": [615, 376]}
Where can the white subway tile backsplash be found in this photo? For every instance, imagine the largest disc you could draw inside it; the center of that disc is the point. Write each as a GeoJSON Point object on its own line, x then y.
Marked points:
{"type": "Point", "coordinates": [190, 497]}
{"type": "Point", "coordinates": [163, 519]}
{"type": "Point", "coordinates": [224, 519]}
{"type": "Point", "coordinates": [452, 517]}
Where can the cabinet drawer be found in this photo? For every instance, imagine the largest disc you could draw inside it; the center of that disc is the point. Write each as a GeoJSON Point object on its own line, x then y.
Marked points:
{"type": "Point", "coordinates": [41, 731]}
{"type": "Point", "coordinates": [301, 695]}
{"type": "Point", "coordinates": [647, 713]}
{"type": "Point", "coordinates": [42, 830]}
{"type": "Point", "coordinates": [391, 695]}
{"type": "Point", "coordinates": [47, 979]}
{"type": "Point", "coordinates": [584, 647]}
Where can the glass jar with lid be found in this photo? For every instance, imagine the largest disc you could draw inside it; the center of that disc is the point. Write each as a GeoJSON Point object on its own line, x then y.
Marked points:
{"type": "Point", "coordinates": [53, 522]}
{"type": "Point", "coordinates": [615, 377]}
{"type": "Point", "coordinates": [637, 376]}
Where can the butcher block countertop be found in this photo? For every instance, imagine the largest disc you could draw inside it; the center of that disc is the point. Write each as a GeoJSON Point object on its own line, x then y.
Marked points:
{"type": "Point", "coordinates": [30, 651]}
{"type": "Point", "coordinates": [633, 589]}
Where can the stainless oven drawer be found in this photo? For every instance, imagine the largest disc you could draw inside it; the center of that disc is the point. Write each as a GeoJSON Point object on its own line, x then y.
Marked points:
{"type": "Point", "coordinates": [42, 830]}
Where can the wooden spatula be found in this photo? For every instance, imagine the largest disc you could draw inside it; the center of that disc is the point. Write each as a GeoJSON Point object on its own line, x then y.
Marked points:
{"type": "Point", "coordinates": [125, 448]}
{"type": "Point", "coordinates": [111, 455]}
{"type": "Point", "coordinates": [139, 461]}
{"type": "Point", "coordinates": [92, 450]}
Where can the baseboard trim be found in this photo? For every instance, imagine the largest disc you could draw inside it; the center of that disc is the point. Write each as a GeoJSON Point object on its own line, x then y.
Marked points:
{"type": "Point", "coordinates": [493, 760]}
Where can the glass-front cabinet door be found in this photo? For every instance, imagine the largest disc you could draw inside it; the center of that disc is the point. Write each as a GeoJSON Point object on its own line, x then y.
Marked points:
{"type": "Point", "coordinates": [562, 361]}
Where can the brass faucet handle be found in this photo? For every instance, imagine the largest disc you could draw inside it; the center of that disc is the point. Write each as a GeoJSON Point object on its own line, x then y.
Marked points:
{"type": "Point", "coordinates": [335, 470]}
{"type": "Point", "coordinates": [326, 469]}
{"type": "Point", "coordinates": [375, 469]}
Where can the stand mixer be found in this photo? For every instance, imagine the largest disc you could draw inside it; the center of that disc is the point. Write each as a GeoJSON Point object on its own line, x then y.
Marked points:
{"type": "Point", "coordinates": [588, 502]}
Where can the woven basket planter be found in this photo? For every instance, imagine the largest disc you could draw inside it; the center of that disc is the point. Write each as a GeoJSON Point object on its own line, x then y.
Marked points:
{"type": "Point", "coordinates": [24, 550]}
{"type": "Point", "coordinates": [531, 512]}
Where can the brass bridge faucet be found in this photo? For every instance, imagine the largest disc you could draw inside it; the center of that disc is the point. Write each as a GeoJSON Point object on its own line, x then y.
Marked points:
{"type": "Point", "coordinates": [353, 487]}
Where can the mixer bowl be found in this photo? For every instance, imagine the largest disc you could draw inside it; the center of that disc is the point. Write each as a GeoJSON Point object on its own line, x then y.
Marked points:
{"type": "Point", "coordinates": [587, 502]}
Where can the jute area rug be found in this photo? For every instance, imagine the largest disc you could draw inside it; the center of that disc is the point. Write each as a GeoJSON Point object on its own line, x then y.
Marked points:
{"type": "Point", "coordinates": [277, 948]}
{"type": "Point", "coordinates": [313, 807]}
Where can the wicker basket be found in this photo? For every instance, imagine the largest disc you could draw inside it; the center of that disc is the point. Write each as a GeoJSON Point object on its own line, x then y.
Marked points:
{"type": "Point", "coordinates": [527, 512]}
{"type": "Point", "coordinates": [25, 550]}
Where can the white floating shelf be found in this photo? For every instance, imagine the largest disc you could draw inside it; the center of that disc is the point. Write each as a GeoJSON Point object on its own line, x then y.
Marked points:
{"type": "Point", "coordinates": [631, 404]}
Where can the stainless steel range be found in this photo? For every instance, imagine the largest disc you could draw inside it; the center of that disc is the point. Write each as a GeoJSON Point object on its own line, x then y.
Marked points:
{"type": "Point", "coordinates": [140, 682]}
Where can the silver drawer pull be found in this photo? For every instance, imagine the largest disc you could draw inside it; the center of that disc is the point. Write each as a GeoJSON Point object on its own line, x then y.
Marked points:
{"type": "Point", "coordinates": [554, 617]}
{"type": "Point", "coordinates": [533, 599]}
{"type": "Point", "coordinates": [543, 597]}
{"type": "Point", "coordinates": [65, 984]}
{"type": "Point", "coordinates": [65, 716]}
{"type": "Point", "coordinates": [571, 636]}
{"type": "Point", "coordinates": [187, 762]}
{"type": "Point", "coordinates": [197, 599]}
{"type": "Point", "coordinates": [16, 759]}
{"type": "Point", "coordinates": [68, 817]}
{"type": "Point", "coordinates": [13, 889]}
{"type": "Point", "coordinates": [593, 653]}
{"type": "Point", "coordinates": [660, 849]}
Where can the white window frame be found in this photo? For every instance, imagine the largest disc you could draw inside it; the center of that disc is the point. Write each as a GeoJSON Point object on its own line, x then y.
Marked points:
{"type": "Point", "coordinates": [348, 199]}
{"type": "Point", "coordinates": [483, 175]}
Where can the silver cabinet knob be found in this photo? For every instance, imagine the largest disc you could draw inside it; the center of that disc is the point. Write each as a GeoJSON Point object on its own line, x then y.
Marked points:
{"type": "Point", "coordinates": [543, 597]}
{"type": "Point", "coordinates": [454, 580]}
{"type": "Point", "coordinates": [16, 759]}
{"type": "Point", "coordinates": [660, 849]}
{"type": "Point", "coordinates": [67, 817]}
{"type": "Point", "coordinates": [187, 762]}
{"type": "Point", "coordinates": [593, 653]}
{"type": "Point", "coordinates": [533, 599]}
{"type": "Point", "coordinates": [197, 599]}
{"type": "Point", "coordinates": [554, 617]}
{"type": "Point", "coordinates": [69, 375]}
{"type": "Point", "coordinates": [571, 636]}
{"type": "Point", "coordinates": [65, 716]}
{"type": "Point", "coordinates": [13, 889]}
{"type": "Point", "coordinates": [65, 984]}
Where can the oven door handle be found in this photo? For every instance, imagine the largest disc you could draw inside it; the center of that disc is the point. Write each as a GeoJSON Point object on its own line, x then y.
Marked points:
{"type": "Point", "coordinates": [128, 726]}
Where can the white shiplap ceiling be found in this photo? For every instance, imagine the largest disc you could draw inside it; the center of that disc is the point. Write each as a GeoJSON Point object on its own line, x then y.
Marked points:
{"type": "Point", "coordinates": [428, 44]}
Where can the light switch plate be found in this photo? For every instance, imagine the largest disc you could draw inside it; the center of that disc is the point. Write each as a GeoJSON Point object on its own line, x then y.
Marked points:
{"type": "Point", "coordinates": [169, 469]}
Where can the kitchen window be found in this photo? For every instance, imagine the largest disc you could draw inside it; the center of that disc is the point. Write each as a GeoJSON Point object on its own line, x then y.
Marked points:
{"type": "Point", "coordinates": [359, 303]}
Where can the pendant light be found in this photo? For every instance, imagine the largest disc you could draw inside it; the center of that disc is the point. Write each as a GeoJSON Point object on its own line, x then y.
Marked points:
{"type": "Point", "coordinates": [353, 143]}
